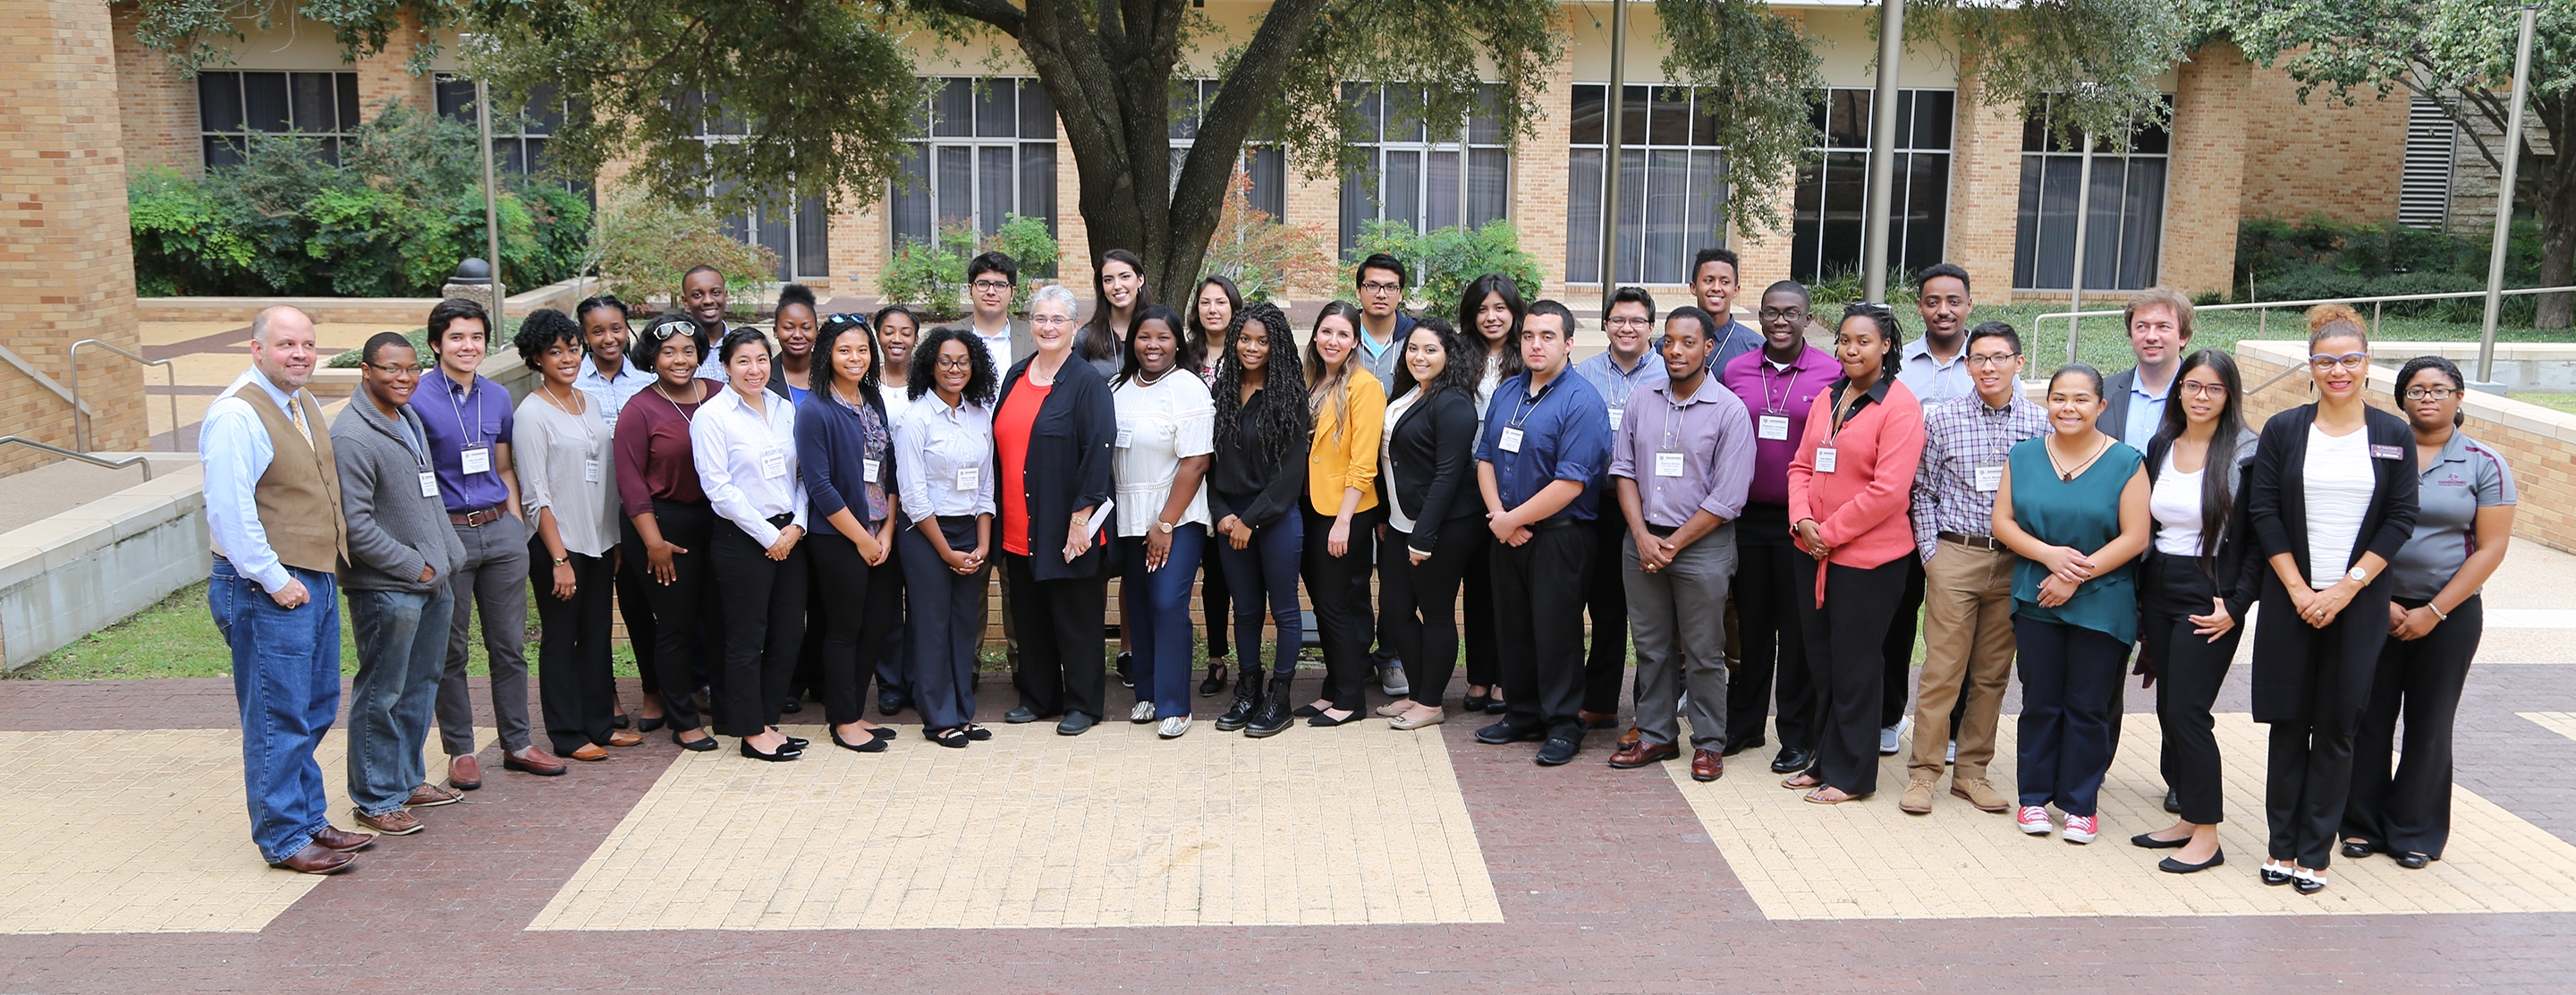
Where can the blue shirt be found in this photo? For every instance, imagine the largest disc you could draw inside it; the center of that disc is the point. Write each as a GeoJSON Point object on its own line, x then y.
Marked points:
{"type": "Point", "coordinates": [611, 392]}
{"type": "Point", "coordinates": [1381, 361]}
{"type": "Point", "coordinates": [459, 418]}
{"type": "Point", "coordinates": [1934, 381]}
{"type": "Point", "coordinates": [2146, 411]}
{"type": "Point", "coordinates": [1616, 385]}
{"type": "Point", "coordinates": [236, 451]}
{"type": "Point", "coordinates": [1563, 436]}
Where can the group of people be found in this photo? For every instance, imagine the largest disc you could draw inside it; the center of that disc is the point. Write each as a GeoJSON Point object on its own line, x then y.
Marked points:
{"type": "Point", "coordinates": [819, 507]}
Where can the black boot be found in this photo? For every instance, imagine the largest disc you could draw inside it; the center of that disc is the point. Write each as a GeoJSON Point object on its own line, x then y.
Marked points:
{"type": "Point", "coordinates": [1247, 700]}
{"type": "Point", "coordinates": [1214, 683]}
{"type": "Point", "coordinates": [1273, 718]}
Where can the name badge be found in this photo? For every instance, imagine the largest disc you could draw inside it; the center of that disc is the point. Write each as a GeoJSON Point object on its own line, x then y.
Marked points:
{"type": "Point", "coordinates": [1616, 416]}
{"type": "Point", "coordinates": [478, 459]}
{"type": "Point", "coordinates": [869, 467]}
{"type": "Point", "coordinates": [773, 463]}
{"type": "Point", "coordinates": [969, 477]}
{"type": "Point", "coordinates": [1773, 427]}
{"type": "Point", "coordinates": [428, 484]}
{"type": "Point", "coordinates": [1824, 459]}
{"type": "Point", "coordinates": [2387, 452]}
{"type": "Point", "coordinates": [1511, 440]}
{"type": "Point", "coordinates": [1126, 434]}
{"type": "Point", "coordinates": [590, 471]}
{"type": "Point", "coordinates": [1668, 463]}
{"type": "Point", "coordinates": [1990, 477]}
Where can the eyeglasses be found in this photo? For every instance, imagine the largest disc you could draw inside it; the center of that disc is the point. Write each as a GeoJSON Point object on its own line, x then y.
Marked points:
{"type": "Point", "coordinates": [1993, 359]}
{"type": "Point", "coordinates": [2430, 393]}
{"type": "Point", "coordinates": [956, 362]}
{"type": "Point", "coordinates": [1050, 319]}
{"type": "Point", "coordinates": [411, 370]}
{"type": "Point", "coordinates": [2195, 388]}
{"type": "Point", "coordinates": [992, 285]}
{"type": "Point", "coordinates": [1381, 288]}
{"type": "Point", "coordinates": [1778, 314]}
{"type": "Point", "coordinates": [2348, 361]}
{"type": "Point", "coordinates": [1627, 322]}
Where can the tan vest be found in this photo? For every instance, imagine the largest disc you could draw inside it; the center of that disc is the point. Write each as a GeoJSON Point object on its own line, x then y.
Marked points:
{"type": "Point", "coordinates": [299, 496]}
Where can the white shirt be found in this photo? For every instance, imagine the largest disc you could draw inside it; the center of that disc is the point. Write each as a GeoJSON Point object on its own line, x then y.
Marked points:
{"type": "Point", "coordinates": [566, 463]}
{"type": "Point", "coordinates": [611, 392]}
{"type": "Point", "coordinates": [997, 346]}
{"type": "Point", "coordinates": [1396, 515]}
{"type": "Point", "coordinates": [897, 401]}
{"type": "Point", "coordinates": [747, 461]}
{"type": "Point", "coordinates": [710, 366]}
{"type": "Point", "coordinates": [236, 451]}
{"type": "Point", "coordinates": [2175, 503]}
{"type": "Point", "coordinates": [2339, 484]}
{"type": "Point", "coordinates": [1160, 424]}
{"type": "Point", "coordinates": [934, 448]}
{"type": "Point", "coordinates": [1932, 380]}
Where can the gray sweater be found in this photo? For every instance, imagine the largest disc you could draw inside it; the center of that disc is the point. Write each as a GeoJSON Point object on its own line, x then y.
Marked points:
{"type": "Point", "coordinates": [393, 530]}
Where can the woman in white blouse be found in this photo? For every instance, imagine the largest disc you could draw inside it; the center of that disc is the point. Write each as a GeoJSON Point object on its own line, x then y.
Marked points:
{"type": "Point", "coordinates": [943, 465]}
{"type": "Point", "coordinates": [569, 491]}
{"type": "Point", "coordinates": [1166, 431]}
{"type": "Point", "coordinates": [746, 444]}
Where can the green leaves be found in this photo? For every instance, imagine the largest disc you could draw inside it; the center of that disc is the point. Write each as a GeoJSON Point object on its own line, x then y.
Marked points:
{"type": "Point", "coordinates": [1763, 69]}
{"type": "Point", "coordinates": [1445, 260]}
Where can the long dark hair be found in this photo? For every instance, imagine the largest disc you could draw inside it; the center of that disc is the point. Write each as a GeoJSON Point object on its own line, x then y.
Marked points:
{"type": "Point", "coordinates": [850, 324]}
{"type": "Point", "coordinates": [1129, 367]}
{"type": "Point", "coordinates": [1201, 338]}
{"type": "Point", "coordinates": [1468, 303]}
{"type": "Point", "coordinates": [1283, 413]}
{"type": "Point", "coordinates": [1096, 340]}
{"type": "Point", "coordinates": [1457, 374]}
{"type": "Point", "coordinates": [980, 385]}
{"type": "Point", "coordinates": [2217, 490]}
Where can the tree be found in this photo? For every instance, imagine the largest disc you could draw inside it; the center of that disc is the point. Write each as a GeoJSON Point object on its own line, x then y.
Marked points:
{"type": "Point", "coordinates": [2459, 53]}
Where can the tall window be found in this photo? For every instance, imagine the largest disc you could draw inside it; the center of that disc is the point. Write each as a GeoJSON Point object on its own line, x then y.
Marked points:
{"type": "Point", "coordinates": [2424, 188]}
{"type": "Point", "coordinates": [1265, 162]}
{"type": "Point", "coordinates": [1424, 180]}
{"type": "Point", "coordinates": [1672, 181]}
{"type": "Point", "coordinates": [800, 233]}
{"type": "Point", "coordinates": [988, 151]}
{"type": "Point", "coordinates": [2125, 227]}
{"type": "Point", "coordinates": [1829, 221]}
{"type": "Point", "coordinates": [518, 140]}
{"type": "Point", "coordinates": [231, 105]}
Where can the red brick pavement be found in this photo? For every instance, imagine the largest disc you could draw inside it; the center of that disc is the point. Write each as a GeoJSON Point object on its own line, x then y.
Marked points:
{"type": "Point", "coordinates": [1607, 884]}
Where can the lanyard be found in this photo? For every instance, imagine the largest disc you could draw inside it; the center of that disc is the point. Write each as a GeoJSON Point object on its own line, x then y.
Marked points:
{"type": "Point", "coordinates": [1842, 416]}
{"type": "Point", "coordinates": [1528, 403]}
{"type": "Point", "coordinates": [462, 427]}
{"type": "Point", "coordinates": [1787, 378]}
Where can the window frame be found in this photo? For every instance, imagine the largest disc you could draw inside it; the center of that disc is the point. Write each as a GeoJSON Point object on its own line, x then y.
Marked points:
{"type": "Point", "coordinates": [1032, 128]}
{"type": "Point", "coordinates": [1425, 146]}
{"type": "Point", "coordinates": [345, 113]}
{"type": "Point", "coordinates": [1639, 113]}
{"type": "Point", "coordinates": [1261, 156]}
{"type": "Point", "coordinates": [1812, 239]}
{"type": "Point", "coordinates": [2035, 128]}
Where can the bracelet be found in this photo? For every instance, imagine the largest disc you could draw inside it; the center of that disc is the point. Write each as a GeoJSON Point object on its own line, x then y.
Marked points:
{"type": "Point", "coordinates": [2438, 612]}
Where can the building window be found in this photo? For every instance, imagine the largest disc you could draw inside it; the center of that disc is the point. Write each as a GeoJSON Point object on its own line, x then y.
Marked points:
{"type": "Point", "coordinates": [1828, 222]}
{"type": "Point", "coordinates": [800, 232]}
{"type": "Point", "coordinates": [1672, 183]}
{"type": "Point", "coordinates": [1264, 162]}
{"type": "Point", "coordinates": [988, 151]}
{"type": "Point", "coordinates": [2424, 189]}
{"type": "Point", "coordinates": [2125, 228]}
{"type": "Point", "coordinates": [231, 105]}
{"type": "Point", "coordinates": [1424, 180]}
{"type": "Point", "coordinates": [519, 140]}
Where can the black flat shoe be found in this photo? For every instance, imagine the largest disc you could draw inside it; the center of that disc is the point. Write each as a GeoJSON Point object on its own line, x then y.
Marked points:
{"type": "Point", "coordinates": [1322, 720]}
{"type": "Point", "coordinates": [2356, 850]}
{"type": "Point", "coordinates": [888, 704]}
{"type": "Point", "coordinates": [883, 733]}
{"type": "Point", "coordinates": [2148, 841]}
{"type": "Point", "coordinates": [785, 753]}
{"type": "Point", "coordinates": [1020, 715]}
{"type": "Point", "coordinates": [1734, 747]}
{"type": "Point", "coordinates": [2172, 866]}
{"type": "Point", "coordinates": [2412, 861]}
{"type": "Point", "coordinates": [2275, 876]}
{"type": "Point", "coordinates": [1215, 681]}
{"type": "Point", "coordinates": [2173, 801]}
{"type": "Point", "coordinates": [951, 737]}
{"type": "Point", "coordinates": [699, 746]}
{"type": "Point", "coordinates": [872, 745]}
{"type": "Point", "coordinates": [978, 733]}
{"type": "Point", "coordinates": [1075, 724]}
{"type": "Point", "coordinates": [2307, 885]}
{"type": "Point", "coordinates": [1126, 670]}
{"type": "Point", "coordinates": [1792, 760]}
{"type": "Point", "coordinates": [620, 721]}
{"type": "Point", "coordinates": [1306, 711]}
{"type": "Point", "coordinates": [649, 724]}
{"type": "Point", "coordinates": [1508, 731]}
{"type": "Point", "coordinates": [1497, 706]}
{"type": "Point", "coordinates": [792, 741]}
{"type": "Point", "coordinates": [1477, 702]}
{"type": "Point", "coordinates": [792, 705]}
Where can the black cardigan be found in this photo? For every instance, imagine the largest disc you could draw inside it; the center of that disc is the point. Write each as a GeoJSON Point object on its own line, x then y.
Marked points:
{"type": "Point", "coordinates": [1067, 466]}
{"type": "Point", "coordinates": [1239, 485]}
{"type": "Point", "coordinates": [1431, 459]}
{"type": "Point", "coordinates": [2283, 686]}
{"type": "Point", "coordinates": [2235, 576]}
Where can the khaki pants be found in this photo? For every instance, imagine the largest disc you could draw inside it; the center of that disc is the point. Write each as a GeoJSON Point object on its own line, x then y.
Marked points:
{"type": "Point", "coordinates": [1967, 630]}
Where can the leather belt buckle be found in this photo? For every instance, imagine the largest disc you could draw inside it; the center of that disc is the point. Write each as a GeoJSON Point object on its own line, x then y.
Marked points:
{"type": "Point", "coordinates": [476, 518]}
{"type": "Point", "coordinates": [1984, 542]}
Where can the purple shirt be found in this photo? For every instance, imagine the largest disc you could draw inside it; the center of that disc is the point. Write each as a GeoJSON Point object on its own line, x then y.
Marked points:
{"type": "Point", "coordinates": [462, 418]}
{"type": "Point", "coordinates": [1788, 394]}
{"type": "Point", "coordinates": [1714, 437]}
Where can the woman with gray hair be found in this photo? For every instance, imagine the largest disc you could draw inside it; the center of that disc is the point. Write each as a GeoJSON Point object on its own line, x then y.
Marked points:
{"type": "Point", "coordinates": [1052, 435]}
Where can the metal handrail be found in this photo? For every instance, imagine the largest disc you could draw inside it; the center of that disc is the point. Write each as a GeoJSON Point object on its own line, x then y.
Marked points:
{"type": "Point", "coordinates": [80, 418]}
{"type": "Point", "coordinates": [2263, 319]}
{"type": "Point", "coordinates": [83, 457]}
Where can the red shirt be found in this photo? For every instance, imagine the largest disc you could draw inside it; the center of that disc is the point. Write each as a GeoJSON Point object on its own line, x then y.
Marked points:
{"type": "Point", "coordinates": [654, 458]}
{"type": "Point", "coordinates": [1011, 427]}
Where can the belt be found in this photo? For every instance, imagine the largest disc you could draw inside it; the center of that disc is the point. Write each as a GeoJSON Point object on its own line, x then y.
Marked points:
{"type": "Point", "coordinates": [1661, 531]}
{"type": "Point", "coordinates": [1553, 523]}
{"type": "Point", "coordinates": [782, 519]}
{"type": "Point", "coordinates": [1984, 542]}
{"type": "Point", "coordinates": [476, 518]}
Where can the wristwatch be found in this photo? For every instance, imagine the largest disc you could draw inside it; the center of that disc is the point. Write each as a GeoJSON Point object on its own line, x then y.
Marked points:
{"type": "Point", "coordinates": [2356, 576]}
{"type": "Point", "coordinates": [1165, 526]}
{"type": "Point", "coordinates": [562, 560]}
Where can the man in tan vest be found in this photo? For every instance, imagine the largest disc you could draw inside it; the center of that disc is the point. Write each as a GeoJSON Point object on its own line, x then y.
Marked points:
{"type": "Point", "coordinates": [273, 506]}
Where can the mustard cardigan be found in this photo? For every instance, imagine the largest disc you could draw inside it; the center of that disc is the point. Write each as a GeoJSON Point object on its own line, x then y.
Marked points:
{"type": "Point", "coordinates": [1338, 458]}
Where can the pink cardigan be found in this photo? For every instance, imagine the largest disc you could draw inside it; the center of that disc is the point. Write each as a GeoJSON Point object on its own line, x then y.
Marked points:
{"type": "Point", "coordinates": [1861, 508]}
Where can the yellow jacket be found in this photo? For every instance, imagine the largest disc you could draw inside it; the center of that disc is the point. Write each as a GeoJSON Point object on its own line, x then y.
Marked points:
{"type": "Point", "coordinates": [1341, 458]}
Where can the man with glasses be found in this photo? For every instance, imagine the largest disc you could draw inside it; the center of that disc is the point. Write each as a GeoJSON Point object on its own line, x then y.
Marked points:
{"type": "Point", "coordinates": [1967, 622]}
{"type": "Point", "coordinates": [1383, 328]}
{"type": "Point", "coordinates": [1713, 287]}
{"type": "Point", "coordinates": [991, 280]}
{"type": "Point", "coordinates": [1617, 374]}
{"type": "Point", "coordinates": [2159, 323]}
{"type": "Point", "coordinates": [1779, 384]}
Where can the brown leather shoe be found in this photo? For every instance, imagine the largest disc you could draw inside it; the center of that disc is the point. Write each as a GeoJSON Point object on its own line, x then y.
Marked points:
{"type": "Point", "coordinates": [317, 859]}
{"type": "Point", "coordinates": [463, 773]}
{"type": "Point", "coordinates": [588, 752]}
{"type": "Point", "coordinates": [1598, 720]}
{"type": "Point", "coordinates": [431, 796]}
{"type": "Point", "coordinates": [533, 759]}
{"type": "Point", "coordinates": [1643, 754]}
{"type": "Point", "coordinates": [336, 838]}
{"type": "Point", "coordinates": [399, 822]}
{"type": "Point", "coordinates": [1707, 765]}
{"type": "Point", "coordinates": [1630, 738]}
{"type": "Point", "coordinates": [622, 739]}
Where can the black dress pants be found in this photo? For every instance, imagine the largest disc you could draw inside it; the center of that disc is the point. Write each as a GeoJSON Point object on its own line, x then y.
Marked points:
{"type": "Point", "coordinates": [2189, 670]}
{"type": "Point", "coordinates": [1899, 649]}
{"type": "Point", "coordinates": [683, 608]}
{"type": "Point", "coordinates": [635, 605]}
{"type": "Point", "coordinates": [1216, 601]}
{"type": "Point", "coordinates": [1420, 602]}
{"type": "Point", "coordinates": [1605, 598]}
{"type": "Point", "coordinates": [1538, 599]}
{"type": "Point", "coordinates": [945, 624]}
{"type": "Point", "coordinates": [1060, 626]}
{"type": "Point", "coordinates": [1847, 660]}
{"type": "Point", "coordinates": [1339, 588]}
{"type": "Point", "coordinates": [1773, 643]}
{"type": "Point", "coordinates": [1482, 636]}
{"type": "Point", "coordinates": [860, 608]}
{"type": "Point", "coordinates": [576, 685]}
{"type": "Point", "coordinates": [764, 612]}
{"type": "Point", "coordinates": [2309, 775]}
{"type": "Point", "coordinates": [2409, 811]}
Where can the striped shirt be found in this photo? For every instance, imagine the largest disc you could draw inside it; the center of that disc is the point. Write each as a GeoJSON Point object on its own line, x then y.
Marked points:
{"type": "Point", "coordinates": [1965, 442]}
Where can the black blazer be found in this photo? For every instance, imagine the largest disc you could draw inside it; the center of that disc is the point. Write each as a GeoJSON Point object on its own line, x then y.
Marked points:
{"type": "Point", "coordinates": [2234, 573]}
{"type": "Point", "coordinates": [1430, 460]}
{"type": "Point", "coordinates": [2283, 683]}
{"type": "Point", "coordinates": [1067, 466]}
{"type": "Point", "coordinates": [2115, 404]}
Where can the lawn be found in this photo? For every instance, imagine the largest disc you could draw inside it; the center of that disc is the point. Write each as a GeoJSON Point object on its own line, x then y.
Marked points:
{"type": "Point", "coordinates": [2560, 402]}
{"type": "Point", "coordinates": [2104, 345]}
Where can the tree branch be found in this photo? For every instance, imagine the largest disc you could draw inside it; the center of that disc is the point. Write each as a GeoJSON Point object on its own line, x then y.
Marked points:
{"type": "Point", "coordinates": [1002, 16]}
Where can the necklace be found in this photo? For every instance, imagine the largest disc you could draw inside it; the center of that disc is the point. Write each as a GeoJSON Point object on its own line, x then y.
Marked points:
{"type": "Point", "coordinates": [2066, 475]}
{"type": "Point", "coordinates": [1145, 381]}
{"type": "Point", "coordinates": [560, 402]}
{"type": "Point", "coordinates": [698, 396]}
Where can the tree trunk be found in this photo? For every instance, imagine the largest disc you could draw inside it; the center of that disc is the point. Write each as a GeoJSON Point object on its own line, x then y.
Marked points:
{"type": "Point", "coordinates": [2552, 191]}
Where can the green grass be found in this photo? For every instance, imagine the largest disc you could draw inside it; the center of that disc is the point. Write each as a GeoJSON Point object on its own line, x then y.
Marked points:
{"type": "Point", "coordinates": [2103, 343]}
{"type": "Point", "coordinates": [2559, 402]}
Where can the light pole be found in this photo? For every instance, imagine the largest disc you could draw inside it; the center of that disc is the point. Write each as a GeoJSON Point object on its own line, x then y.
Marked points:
{"type": "Point", "coordinates": [1882, 150]}
{"type": "Point", "coordinates": [2504, 204]}
{"type": "Point", "coordinates": [491, 203]}
{"type": "Point", "coordinates": [1610, 149]}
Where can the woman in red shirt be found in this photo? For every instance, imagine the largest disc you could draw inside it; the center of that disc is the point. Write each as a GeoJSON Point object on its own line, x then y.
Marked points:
{"type": "Point", "coordinates": [1052, 433]}
{"type": "Point", "coordinates": [1849, 488]}
{"type": "Point", "coordinates": [669, 525]}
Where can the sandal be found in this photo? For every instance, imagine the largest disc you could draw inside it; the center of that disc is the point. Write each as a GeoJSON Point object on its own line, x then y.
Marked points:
{"type": "Point", "coordinates": [976, 732]}
{"type": "Point", "coordinates": [1802, 779]}
{"type": "Point", "coordinates": [1817, 797]}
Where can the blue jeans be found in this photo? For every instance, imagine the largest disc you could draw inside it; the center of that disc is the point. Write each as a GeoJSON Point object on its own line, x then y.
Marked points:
{"type": "Point", "coordinates": [1155, 606]}
{"type": "Point", "coordinates": [1267, 565]}
{"type": "Point", "coordinates": [286, 676]}
{"type": "Point", "coordinates": [399, 662]}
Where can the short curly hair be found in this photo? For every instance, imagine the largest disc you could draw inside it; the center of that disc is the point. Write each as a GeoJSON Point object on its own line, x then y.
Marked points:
{"type": "Point", "coordinates": [541, 329]}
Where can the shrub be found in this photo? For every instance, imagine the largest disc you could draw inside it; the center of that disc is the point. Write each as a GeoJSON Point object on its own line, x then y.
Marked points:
{"type": "Point", "coordinates": [1028, 243]}
{"type": "Point", "coordinates": [1261, 254]}
{"type": "Point", "coordinates": [1444, 261]}
{"type": "Point", "coordinates": [932, 275]}
{"type": "Point", "coordinates": [2270, 250]}
{"type": "Point", "coordinates": [2424, 283]}
{"type": "Point", "coordinates": [645, 244]}
{"type": "Point", "coordinates": [184, 235]}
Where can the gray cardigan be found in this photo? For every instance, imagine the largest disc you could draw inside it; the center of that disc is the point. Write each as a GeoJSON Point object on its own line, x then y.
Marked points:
{"type": "Point", "coordinates": [393, 530]}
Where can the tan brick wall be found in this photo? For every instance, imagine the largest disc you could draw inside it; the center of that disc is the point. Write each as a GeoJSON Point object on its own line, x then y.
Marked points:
{"type": "Point", "coordinates": [1541, 180]}
{"type": "Point", "coordinates": [2213, 113]}
{"type": "Point", "coordinates": [1985, 187]}
{"type": "Point", "coordinates": [66, 262]}
{"type": "Point", "coordinates": [156, 109]}
{"type": "Point", "coordinates": [2321, 156]}
{"type": "Point", "coordinates": [387, 76]}
{"type": "Point", "coordinates": [1316, 206]}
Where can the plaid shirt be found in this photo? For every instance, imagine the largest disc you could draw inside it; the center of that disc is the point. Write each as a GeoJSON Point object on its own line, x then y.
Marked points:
{"type": "Point", "coordinates": [1960, 435]}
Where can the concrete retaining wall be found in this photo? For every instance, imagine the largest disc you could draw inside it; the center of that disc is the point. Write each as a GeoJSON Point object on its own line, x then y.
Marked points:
{"type": "Point", "coordinates": [85, 569]}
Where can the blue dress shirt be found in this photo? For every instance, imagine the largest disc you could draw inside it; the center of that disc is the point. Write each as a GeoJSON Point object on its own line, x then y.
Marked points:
{"type": "Point", "coordinates": [1563, 436]}
{"type": "Point", "coordinates": [236, 452]}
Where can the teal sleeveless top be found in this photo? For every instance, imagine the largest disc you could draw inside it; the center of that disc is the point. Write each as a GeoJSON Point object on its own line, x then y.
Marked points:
{"type": "Point", "coordinates": [2081, 514]}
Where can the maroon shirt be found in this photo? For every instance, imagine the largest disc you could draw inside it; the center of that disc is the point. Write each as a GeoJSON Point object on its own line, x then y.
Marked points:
{"type": "Point", "coordinates": [1787, 395]}
{"type": "Point", "coordinates": [653, 454]}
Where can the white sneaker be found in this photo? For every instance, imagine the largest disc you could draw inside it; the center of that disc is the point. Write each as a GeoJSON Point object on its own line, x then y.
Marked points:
{"type": "Point", "coordinates": [1142, 713]}
{"type": "Point", "coordinates": [1391, 680]}
{"type": "Point", "coordinates": [1173, 727]}
{"type": "Point", "coordinates": [2081, 829]}
{"type": "Point", "coordinates": [1888, 736]}
{"type": "Point", "coordinates": [2033, 820]}
{"type": "Point", "coordinates": [1954, 753]}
